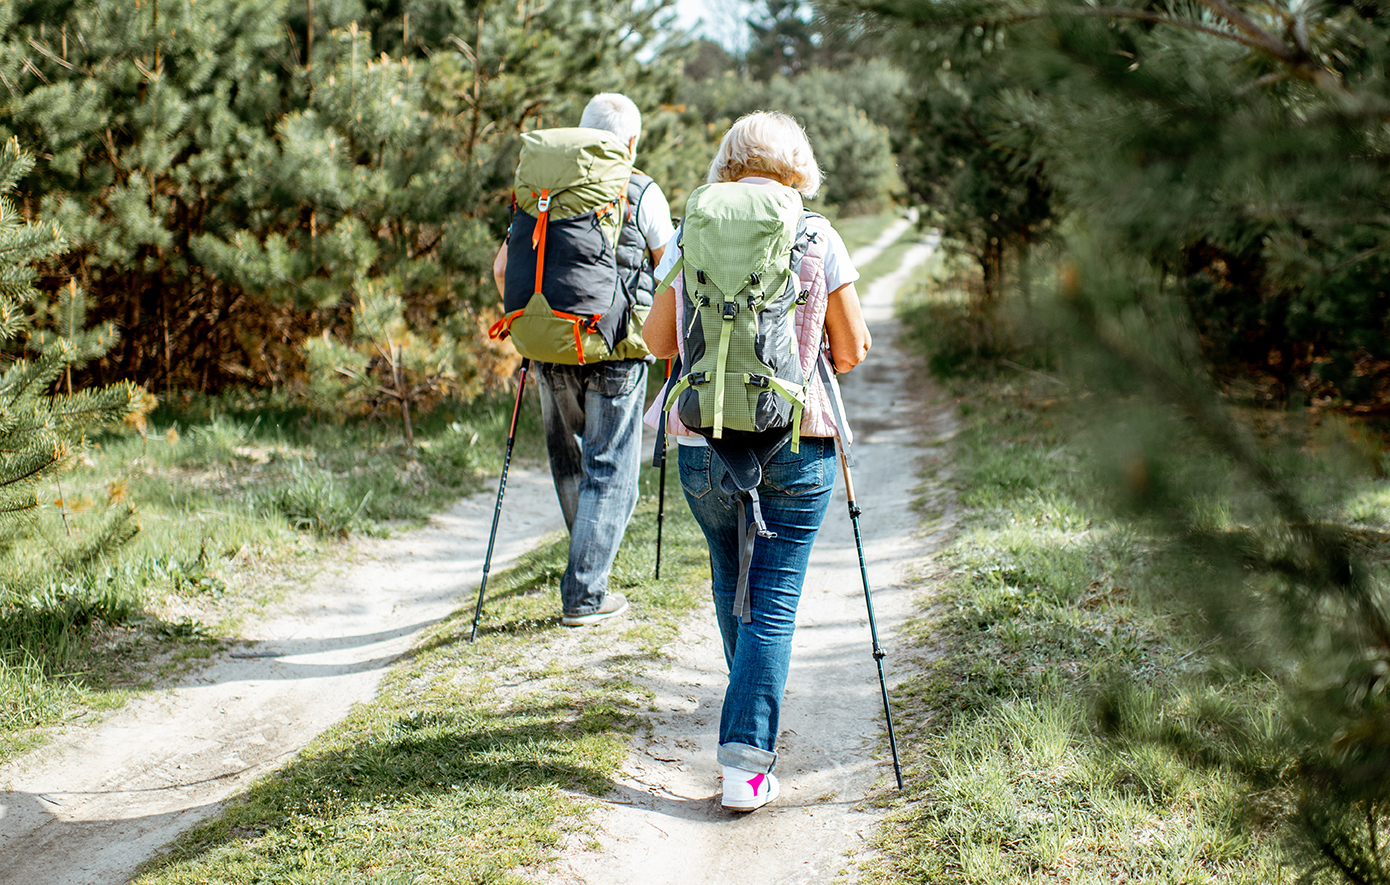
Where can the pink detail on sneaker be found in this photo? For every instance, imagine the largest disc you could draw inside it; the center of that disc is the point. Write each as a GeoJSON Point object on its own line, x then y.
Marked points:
{"type": "Point", "coordinates": [756, 783]}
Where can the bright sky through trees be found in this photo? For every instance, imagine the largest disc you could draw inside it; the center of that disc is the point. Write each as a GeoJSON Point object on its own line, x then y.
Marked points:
{"type": "Point", "coordinates": [724, 21]}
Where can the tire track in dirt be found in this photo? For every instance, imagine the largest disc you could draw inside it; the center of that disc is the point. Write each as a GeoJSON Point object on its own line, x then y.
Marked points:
{"type": "Point", "coordinates": [663, 822]}
{"type": "Point", "coordinates": [95, 802]}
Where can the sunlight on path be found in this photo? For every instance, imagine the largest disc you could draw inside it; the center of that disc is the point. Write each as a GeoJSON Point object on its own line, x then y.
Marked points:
{"type": "Point", "coordinates": [891, 234]}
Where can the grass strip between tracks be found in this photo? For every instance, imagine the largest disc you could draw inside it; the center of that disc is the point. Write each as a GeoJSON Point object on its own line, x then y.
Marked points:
{"type": "Point", "coordinates": [474, 759]}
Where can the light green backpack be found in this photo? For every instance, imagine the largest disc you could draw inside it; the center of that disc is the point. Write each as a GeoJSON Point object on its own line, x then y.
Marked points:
{"type": "Point", "coordinates": [741, 251]}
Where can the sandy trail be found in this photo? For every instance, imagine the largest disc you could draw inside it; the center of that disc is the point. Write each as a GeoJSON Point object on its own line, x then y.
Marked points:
{"type": "Point", "coordinates": [94, 803]}
{"type": "Point", "coordinates": [97, 801]}
{"type": "Point", "coordinates": [664, 824]}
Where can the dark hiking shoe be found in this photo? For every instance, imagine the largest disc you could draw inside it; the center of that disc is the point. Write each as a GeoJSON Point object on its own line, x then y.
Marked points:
{"type": "Point", "coordinates": [614, 604]}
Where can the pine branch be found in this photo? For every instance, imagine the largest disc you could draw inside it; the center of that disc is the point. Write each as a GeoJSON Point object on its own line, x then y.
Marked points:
{"type": "Point", "coordinates": [20, 470]}
{"type": "Point", "coordinates": [988, 16]}
{"type": "Point", "coordinates": [1333, 564]}
{"type": "Point", "coordinates": [1243, 31]}
{"type": "Point", "coordinates": [12, 504]}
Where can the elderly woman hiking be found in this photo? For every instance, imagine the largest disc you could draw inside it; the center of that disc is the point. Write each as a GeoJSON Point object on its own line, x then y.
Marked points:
{"type": "Point", "coordinates": [759, 529]}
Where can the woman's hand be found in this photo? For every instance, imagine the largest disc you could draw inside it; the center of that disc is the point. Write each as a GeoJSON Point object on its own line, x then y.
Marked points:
{"type": "Point", "coordinates": [844, 326]}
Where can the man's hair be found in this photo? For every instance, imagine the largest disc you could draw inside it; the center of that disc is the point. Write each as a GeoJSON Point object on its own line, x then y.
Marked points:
{"type": "Point", "coordinates": [770, 144]}
{"type": "Point", "coordinates": [613, 113]}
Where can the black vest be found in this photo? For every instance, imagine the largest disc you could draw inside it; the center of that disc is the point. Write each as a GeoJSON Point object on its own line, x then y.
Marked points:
{"type": "Point", "coordinates": [634, 267]}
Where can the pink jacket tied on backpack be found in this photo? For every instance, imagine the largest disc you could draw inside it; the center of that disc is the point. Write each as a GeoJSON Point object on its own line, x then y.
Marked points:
{"type": "Point", "coordinates": [818, 418]}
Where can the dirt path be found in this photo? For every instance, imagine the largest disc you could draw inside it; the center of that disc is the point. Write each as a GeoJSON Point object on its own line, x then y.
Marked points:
{"type": "Point", "coordinates": [95, 802]}
{"type": "Point", "coordinates": [664, 823]}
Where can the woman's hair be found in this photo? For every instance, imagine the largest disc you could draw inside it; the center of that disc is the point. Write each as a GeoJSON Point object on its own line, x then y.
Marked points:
{"type": "Point", "coordinates": [771, 144]}
{"type": "Point", "coordinates": [613, 113]}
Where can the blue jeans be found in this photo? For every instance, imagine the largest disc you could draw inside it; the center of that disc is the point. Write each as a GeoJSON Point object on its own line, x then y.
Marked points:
{"type": "Point", "coordinates": [593, 431]}
{"type": "Point", "coordinates": [794, 494]}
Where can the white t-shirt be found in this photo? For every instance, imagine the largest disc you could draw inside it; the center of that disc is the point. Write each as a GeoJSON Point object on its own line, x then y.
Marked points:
{"type": "Point", "coordinates": [654, 217]}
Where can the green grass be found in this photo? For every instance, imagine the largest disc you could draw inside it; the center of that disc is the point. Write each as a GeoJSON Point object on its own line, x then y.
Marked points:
{"type": "Point", "coordinates": [1064, 728]}
{"type": "Point", "coordinates": [237, 503]}
{"type": "Point", "coordinates": [467, 765]}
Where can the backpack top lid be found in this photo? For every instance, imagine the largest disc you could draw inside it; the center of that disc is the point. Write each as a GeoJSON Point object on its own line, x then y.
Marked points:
{"type": "Point", "coordinates": [732, 229]}
{"type": "Point", "coordinates": [582, 168]}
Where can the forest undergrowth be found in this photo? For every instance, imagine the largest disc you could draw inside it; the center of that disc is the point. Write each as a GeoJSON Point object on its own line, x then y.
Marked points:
{"type": "Point", "coordinates": [1066, 725]}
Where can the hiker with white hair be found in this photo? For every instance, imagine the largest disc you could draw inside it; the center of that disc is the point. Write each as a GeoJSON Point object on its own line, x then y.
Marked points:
{"type": "Point", "coordinates": [576, 279]}
{"type": "Point", "coordinates": [757, 300]}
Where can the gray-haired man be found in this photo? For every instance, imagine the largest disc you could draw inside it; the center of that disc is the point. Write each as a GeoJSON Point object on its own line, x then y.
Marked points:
{"type": "Point", "coordinates": [593, 412]}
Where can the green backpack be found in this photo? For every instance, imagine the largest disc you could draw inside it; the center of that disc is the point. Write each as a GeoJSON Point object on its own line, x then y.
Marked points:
{"type": "Point", "coordinates": [563, 300]}
{"type": "Point", "coordinates": [741, 250]}
{"type": "Point", "coordinates": [742, 387]}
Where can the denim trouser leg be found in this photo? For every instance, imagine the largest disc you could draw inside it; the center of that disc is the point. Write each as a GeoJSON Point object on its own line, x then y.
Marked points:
{"type": "Point", "coordinates": [794, 493]}
{"type": "Point", "coordinates": [593, 432]}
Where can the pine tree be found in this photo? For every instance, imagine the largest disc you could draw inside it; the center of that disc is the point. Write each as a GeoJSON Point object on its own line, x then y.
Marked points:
{"type": "Point", "coordinates": [39, 429]}
{"type": "Point", "coordinates": [231, 172]}
{"type": "Point", "coordinates": [1220, 165]}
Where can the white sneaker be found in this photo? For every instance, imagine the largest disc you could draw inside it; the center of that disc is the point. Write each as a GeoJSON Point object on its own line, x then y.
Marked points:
{"type": "Point", "coordinates": [613, 605]}
{"type": "Point", "coordinates": [747, 790]}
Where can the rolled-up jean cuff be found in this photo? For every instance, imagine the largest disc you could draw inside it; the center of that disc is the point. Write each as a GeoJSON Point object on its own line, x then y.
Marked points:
{"type": "Point", "coordinates": [747, 757]}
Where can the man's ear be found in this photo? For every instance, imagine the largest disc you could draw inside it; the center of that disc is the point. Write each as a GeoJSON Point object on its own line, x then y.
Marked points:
{"type": "Point", "coordinates": [632, 145]}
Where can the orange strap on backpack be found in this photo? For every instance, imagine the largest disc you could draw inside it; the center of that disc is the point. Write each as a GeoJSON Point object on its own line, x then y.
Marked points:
{"type": "Point", "coordinates": [538, 234]}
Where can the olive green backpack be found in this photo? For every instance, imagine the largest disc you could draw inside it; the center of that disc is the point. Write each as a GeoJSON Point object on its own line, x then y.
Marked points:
{"type": "Point", "coordinates": [563, 300]}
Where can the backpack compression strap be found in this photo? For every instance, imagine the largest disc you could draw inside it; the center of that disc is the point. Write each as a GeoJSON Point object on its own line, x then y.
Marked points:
{"type": "Point", "coordinates": [503, 327]}
{"type": "Point", "coordinates": [794, 394]}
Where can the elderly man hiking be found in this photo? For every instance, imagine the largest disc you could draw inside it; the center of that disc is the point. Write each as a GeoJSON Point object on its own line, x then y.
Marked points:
{"type": "Point", "coordinates": [576, 279]}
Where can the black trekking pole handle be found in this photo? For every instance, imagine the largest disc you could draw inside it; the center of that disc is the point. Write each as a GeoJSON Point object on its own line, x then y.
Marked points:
{"type": "Point", "coordinates": [501, 490]}
{"type": "Point", "coordinates": [879, 653]}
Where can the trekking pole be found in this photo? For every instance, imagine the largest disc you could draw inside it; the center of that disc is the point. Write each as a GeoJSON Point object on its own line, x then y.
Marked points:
{"type": "Point", "coordinates": [501, 490]}
{"type": "Point", "coordinates": [869, 602]}
{"type": "Point", "coordinates": [661, 483]}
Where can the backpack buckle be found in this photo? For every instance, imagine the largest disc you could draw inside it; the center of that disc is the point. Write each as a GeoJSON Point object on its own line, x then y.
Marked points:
{"type": "Point", "coordinates": [760, 381]}
{"type": "Point", "coordinates": [700, 277]}
{"type": "Point", "coordinates": [544, 204]}
{"type": "Point", "coordinates": [698, 377]}
{"type": "Point", "coordinates": [730, 310]}
{"type": "Point", "coordinates": [753, 279]}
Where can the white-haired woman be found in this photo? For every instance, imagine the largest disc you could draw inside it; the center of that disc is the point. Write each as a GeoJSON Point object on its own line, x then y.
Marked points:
{"type": "Point", "coordinates": [768, 149]}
